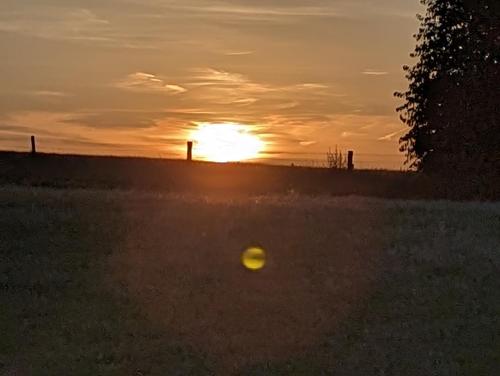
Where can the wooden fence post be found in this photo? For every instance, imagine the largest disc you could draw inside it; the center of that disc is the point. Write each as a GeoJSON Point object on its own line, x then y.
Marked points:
{"type": "Point", "coordinates": [190, 150]}
{"type": "Point", "coordinates": [33, 145]}
{"type": "Point", "coordinates": [350, 160]}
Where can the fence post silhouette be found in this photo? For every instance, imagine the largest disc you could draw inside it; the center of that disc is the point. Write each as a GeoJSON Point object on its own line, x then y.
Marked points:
{"type": "Point", "coordinates": [350, 160]}
{"type": "Point", "coordinates": [190, 151]}
{"type": "Point", "coordinates": [33, 146]}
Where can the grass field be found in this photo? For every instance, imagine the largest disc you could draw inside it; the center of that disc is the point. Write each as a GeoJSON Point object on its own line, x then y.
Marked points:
{"type": "Point", "coordinates": [123, 283]}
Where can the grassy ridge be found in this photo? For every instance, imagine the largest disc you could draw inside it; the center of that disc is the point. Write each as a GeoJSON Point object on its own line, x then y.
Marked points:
{"type": "Point", "coordinates": [64, 171]}
{"type": "Point", "coordinates": [116, 283]}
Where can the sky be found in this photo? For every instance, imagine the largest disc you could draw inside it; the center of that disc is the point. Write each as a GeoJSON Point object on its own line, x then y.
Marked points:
{"type": "Point", "coordinates": [137, 77]}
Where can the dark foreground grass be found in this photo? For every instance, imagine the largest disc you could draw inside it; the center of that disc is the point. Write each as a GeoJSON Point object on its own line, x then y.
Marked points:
{"type": "Point", "coordinates": [110, 283]}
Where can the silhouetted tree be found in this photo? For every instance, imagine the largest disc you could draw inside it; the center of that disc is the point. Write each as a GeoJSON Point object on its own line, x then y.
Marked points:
{"type": "Point", "coordinates": [453, 101]}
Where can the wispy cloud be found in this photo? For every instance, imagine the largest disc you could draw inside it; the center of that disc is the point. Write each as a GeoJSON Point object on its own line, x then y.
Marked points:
{"type": "Point", "coordinates": [48, 94]}
{"type": "Point", "coordinates": [245, 101]}
{"type": "Point", "coordinates": [148, 83]}
{"type": "Point", "coordinates": [374, 72]}
{"type": "Point", "coordinates": [192, 111]}
{"type": "Point", "coordinates": [216, 77]}
{"type": "Point", "coordinates": [275, 10]}
{"type": "Point", "coordinates": [211, 86]}
{"type": "Point", "coordinates": [312, 86]}
{"type": "Point", "coordinates": [347, 134]}
{"type": "Point", "coordinates": [391, 136]}
{"type": "Point", "coordinates": [210, 76]}
{"type": "Point", "coordinates": [238, 53]}
{"type": "Point", "coordinates": [243, 10]}
{"type": "Point", "coordinates": [56, 23]}
{"type": "Point", "coordinates": [288, 105]}
{"type": "Point", "coordinates": [307, 143]}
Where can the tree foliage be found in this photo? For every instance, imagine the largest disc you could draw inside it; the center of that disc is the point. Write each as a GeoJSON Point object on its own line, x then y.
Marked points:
{"type": "Point", "coordinates": [453, 100]}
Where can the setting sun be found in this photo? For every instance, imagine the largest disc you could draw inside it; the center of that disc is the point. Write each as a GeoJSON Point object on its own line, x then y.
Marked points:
{"type": "Point", "coordinates": [226, 142]}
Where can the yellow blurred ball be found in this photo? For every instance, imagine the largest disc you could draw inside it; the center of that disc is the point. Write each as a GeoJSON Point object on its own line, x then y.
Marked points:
{"type": "Point", "coordinates": [254, 258]}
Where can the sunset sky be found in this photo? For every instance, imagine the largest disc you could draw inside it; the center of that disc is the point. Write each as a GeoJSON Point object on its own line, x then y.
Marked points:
{"type": "Point", "coordinates": [138, 77]}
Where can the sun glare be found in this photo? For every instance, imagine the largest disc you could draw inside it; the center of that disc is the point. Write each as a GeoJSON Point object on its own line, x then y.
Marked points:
{"type": "Point", "coordinates": [227, 142]}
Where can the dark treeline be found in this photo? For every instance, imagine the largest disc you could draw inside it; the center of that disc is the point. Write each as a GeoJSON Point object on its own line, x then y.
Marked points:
{"type": "Point", "coordinates": [453, 100]}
